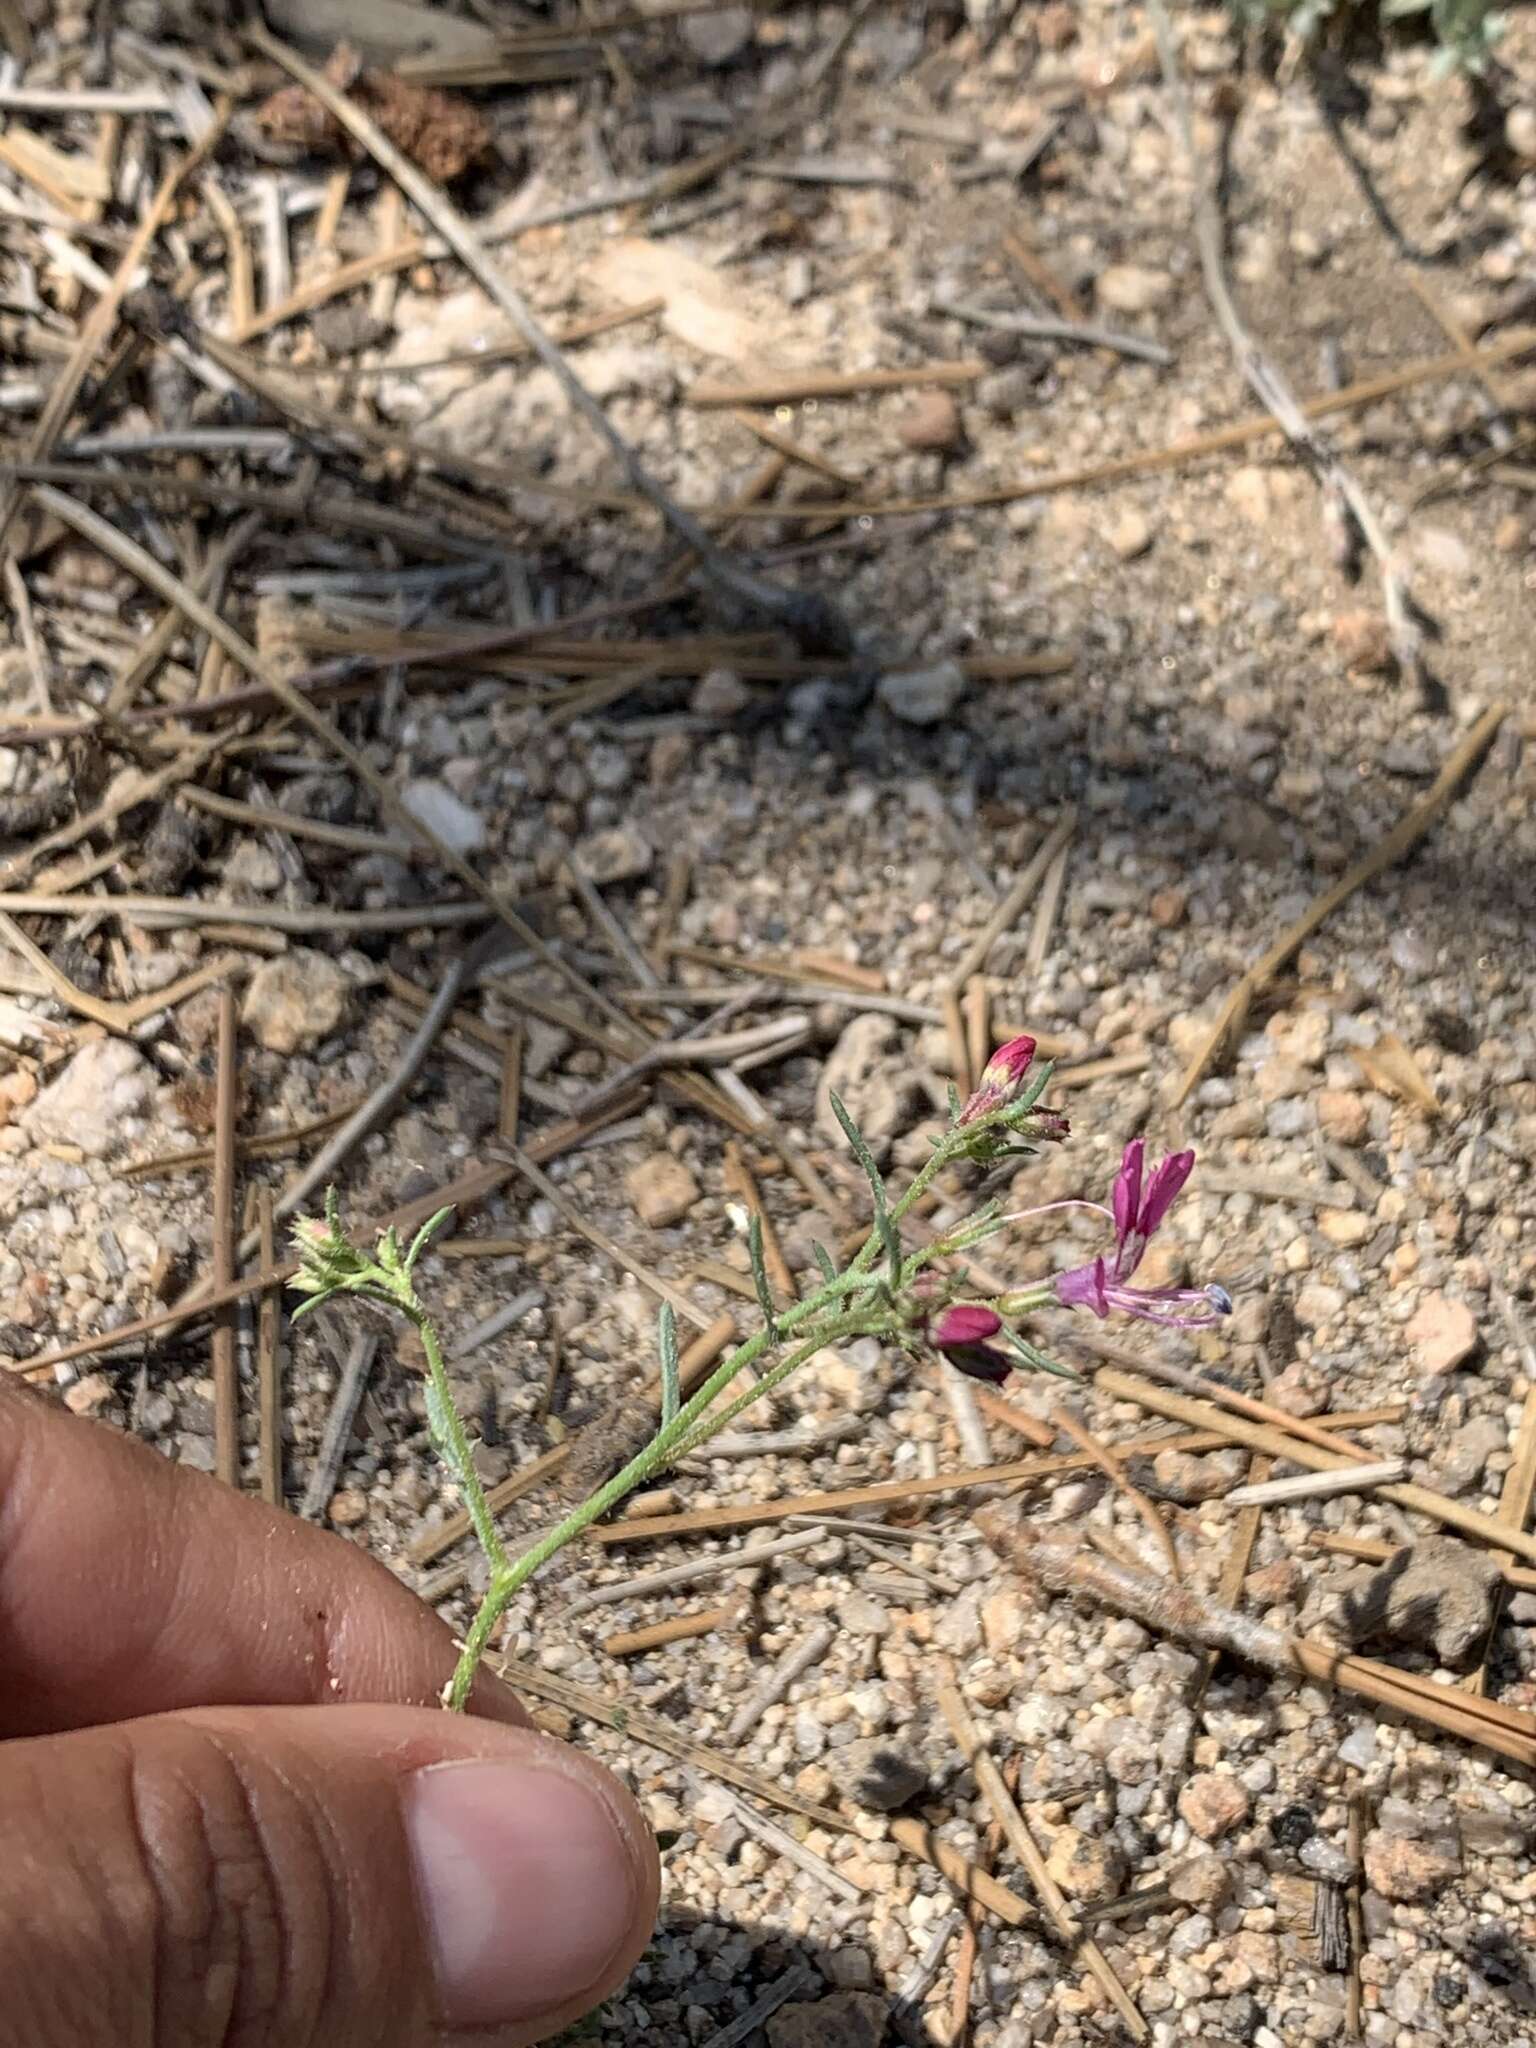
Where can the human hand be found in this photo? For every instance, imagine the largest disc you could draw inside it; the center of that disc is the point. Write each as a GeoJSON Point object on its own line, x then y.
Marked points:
{"type": "Point", "coordinates": [207, 1838]}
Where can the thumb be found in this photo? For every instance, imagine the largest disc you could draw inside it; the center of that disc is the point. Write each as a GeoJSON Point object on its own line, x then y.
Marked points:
{"type": "Point", "coordinates": [286, 1876]}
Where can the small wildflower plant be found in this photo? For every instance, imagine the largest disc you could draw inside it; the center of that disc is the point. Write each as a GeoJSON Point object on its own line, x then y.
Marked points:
{"type": "Point", "coordinates": [914, 1298]}
{"type": "Point", "coordinates": [1465, 30]}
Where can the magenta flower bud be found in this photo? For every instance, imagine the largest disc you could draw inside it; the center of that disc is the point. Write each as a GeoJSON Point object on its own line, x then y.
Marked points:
{"type": "Point", "coordinates": [1001, 1078]}
{"type": "Point", "coordinates": [960, 1332]}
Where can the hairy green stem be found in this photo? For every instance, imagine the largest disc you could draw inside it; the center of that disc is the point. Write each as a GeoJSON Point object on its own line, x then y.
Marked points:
{"type": "Point", "coordinates": [481, 1518]}
{"type": "Point", "coordinates": [509, 1579]}
{"type": "Point", "coordinates": [692, 1427]}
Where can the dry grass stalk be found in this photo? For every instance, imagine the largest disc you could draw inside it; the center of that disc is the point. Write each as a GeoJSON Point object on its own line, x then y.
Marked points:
{"type": "Point", "coordinates": [997, 1408]}
{"type": "Point", "coordinates": [1178, 1611]}
{"type": "Point", "coordinates": [144, 565]}
{"type": "Point", "coordinates": [464, 1192]}
{"type": "Point", "coordinates": [690, 1574]}
{"type": "Point", "coordinates": [1405, 835]}
{"type": "Point", "coordinates": [1039, 273]}
{"type": "Point", "coordinates": [799, 1658]}
{"type": "Point", "coordinates": [658, 1733]}
{"type": "Point", "coordinates": [239, 261]}
{"type": "Point", "coordinates": [919, 1840]}
{"type": "Point", "coordinates": [1115, 1472]}
{"type": "Point", "coordinates": [1270, 1493]}
{"type": "Point", "coordinates": [1371, 1550]}
{"type": "Point", "coordinates": [102, 319]}
{"type": "Point", "coordinates": [269, 1368]}
{"type": "Point", "coordinates": [339, 1424]}
{"type": "Point", "coordinates": [1341, 491]}
{"type": "Point", "coordinates": [651, 1281]}
{"type": "Point", "coordinates": [897, 1492]}
{"type": "Point", "coordinates": [1234, 1570]}
{"type": "Point", "coordinates": [509, 1095]}
{"type": "Point", "coordinates": [739, 1180]}
{"type": "Point", "coordinates": [1313, 1432]}
{"type": "Point", "coordinates": [116, 1017]}
{"type": "Point", "coordinates": [989, 1782]}
{"type": "Point", "coordinates": [794, 451]}
{"type": "Point", "coordinates": [266, 818]}
{"type": "Point", "coordinates": [1174, 454]}
{"type": "Point", "coordinates": [226, 1375]}
{"type": "Point", "coordinates": [1519, 1488]}
{"type": "Point", "coordinates": [1048, 907]}
{"type": "Point", "coordinates": [959, 1043]}
{"type": "Point", "coordinates": [1281, 1444]}
{"type": "Point", "coordinates": [1007, 913]}
{"type": "Point", "coordinates": [976, 1008]}
{"type": "Point", "coordinates": [806, 617]}
{"type": "Point", "coordinates": [794, 386]}
{"type": "Point", "coordinates": [1354, 1844]}
{"type": "Point", "coordinates": [1111, 1069]}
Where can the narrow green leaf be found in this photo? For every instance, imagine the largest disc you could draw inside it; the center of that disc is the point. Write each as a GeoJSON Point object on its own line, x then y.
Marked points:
{"type": "Point", "coordinates": [890, 1241]}
{"type": "Point", "coordinates": [424, 1237]}
{"type": "Point", "coordinates": [765, 1299]}
{"type": "Point", "coordinates": [1040, 1361]}
{"type": "Point", "coordinates": [1038, 1082]}
{"type": "Point", "coordinates": [824, 1260]}
{"type": "Point", "coordinates": [671, 1381]}
{"type": "Point", "coordinates": [955, 1104]}
{"type": "Point", "coordinates": [861, 1152]}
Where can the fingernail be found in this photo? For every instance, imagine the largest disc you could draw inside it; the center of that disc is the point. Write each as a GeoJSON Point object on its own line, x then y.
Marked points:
{"type": "Point", "coordinates": [525, 1884]}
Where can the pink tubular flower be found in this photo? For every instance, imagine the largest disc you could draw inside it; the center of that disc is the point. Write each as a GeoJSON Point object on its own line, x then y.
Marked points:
{"type": "Point", "coordinates": [1103, 1286]}
{"type": "Point", "coordinates": [1001, 1078]}
{"type": "Point", "coordinates": [960, 1332]}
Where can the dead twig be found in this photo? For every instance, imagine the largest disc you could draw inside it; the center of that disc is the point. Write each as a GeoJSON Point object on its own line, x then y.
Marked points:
{"type": "Point", "coordinates": [269, 1382]}
{"type": "Point", "coordinates": [1279, 1443]}
{"type": "Point", "coordinates": [811, 619]}
{"type": "Point", "coordinates": [1403, 837]}
{"type": "Point", "coordinates": [1043, 327]}
{"type": "Point", "coordinates": [657, 1732]}
{"type": "Point", "coordinates": [226, 1376]}
{"type": "Point", "coordinates": [1015, 1829]}
{"type": "Point", "coordinates": [1340, 489]}
{"type": "Point", "coordinates": [339, 1424]}
{"type": "Point", "coordinates": [1115, 1472]}
{"type": "Point", "coordinates": [1064, 1567]}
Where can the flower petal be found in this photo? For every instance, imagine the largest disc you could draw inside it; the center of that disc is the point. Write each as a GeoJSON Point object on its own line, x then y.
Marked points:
{"type": "Point", "coordinates": [1127, 1196]}
{"type": "Point", "coordinates": [1084, 1287]}
{"type": "Point", "coordinates": [1163, 1185]}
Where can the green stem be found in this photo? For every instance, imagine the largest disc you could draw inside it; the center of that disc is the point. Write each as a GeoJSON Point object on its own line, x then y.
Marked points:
{"type": "Point", "coordinates": [480, 1516]}
{"type": "Point", "coordinates": [689, 1431]}
{"type": "Point", "coordinates": [507, 1580]}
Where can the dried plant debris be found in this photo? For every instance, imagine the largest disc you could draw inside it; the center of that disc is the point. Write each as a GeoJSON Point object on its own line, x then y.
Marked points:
{"type": "Point", "coordinates": [442, 132]}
